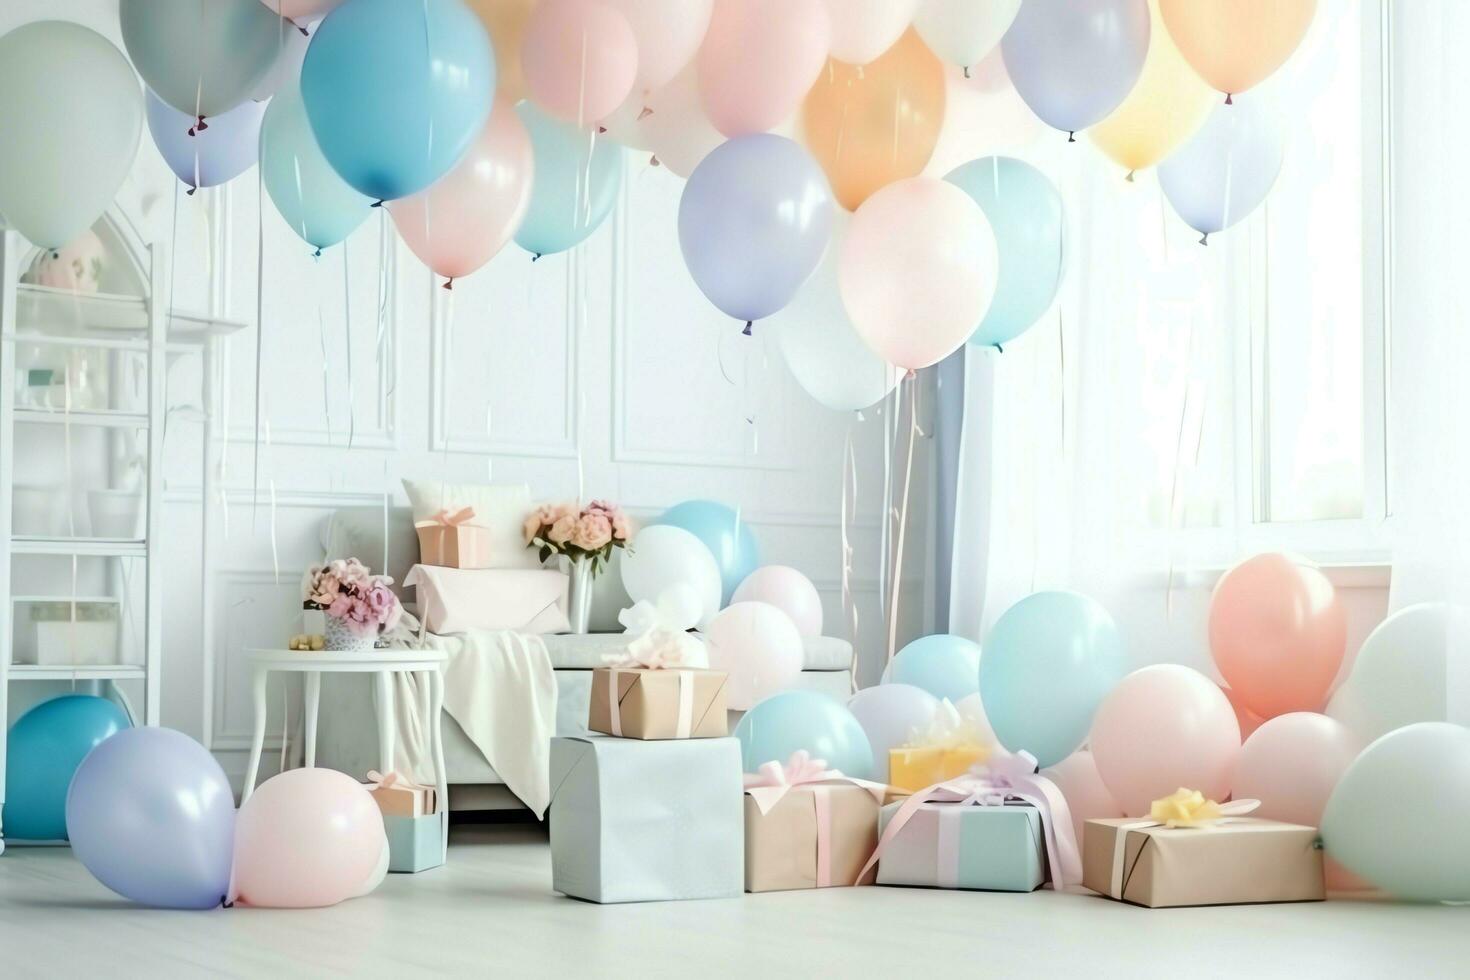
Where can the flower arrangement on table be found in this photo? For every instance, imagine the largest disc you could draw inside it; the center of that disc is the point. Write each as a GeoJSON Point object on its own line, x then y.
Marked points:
{"type": "Point", "coordinates": [359, 605]}
{"type": "Point", "coordinates": [585, 537]}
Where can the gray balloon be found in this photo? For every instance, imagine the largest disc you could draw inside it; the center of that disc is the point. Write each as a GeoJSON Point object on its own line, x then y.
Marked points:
{"type": "Point", "coordinates": [1226, 169]}
{"type": "Point", "coordinates": [1074, 61]}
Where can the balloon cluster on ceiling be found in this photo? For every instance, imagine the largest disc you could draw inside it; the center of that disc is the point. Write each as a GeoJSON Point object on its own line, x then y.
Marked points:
{"type": "Point", "coordinates": [475, 122]}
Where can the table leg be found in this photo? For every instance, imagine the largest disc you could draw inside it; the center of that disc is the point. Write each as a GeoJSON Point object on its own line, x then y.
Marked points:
{"type": "Point", "coordinates": [312, 698]}
{"type": "Point", "coordinates": [386, 721]}
{"type": "Point", "coordinates": [436, 736]}
{"type": "Point", "coordinates": [257, 737]}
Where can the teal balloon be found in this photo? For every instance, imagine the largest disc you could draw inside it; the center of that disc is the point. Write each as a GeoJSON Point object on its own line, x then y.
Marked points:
{"type": "Point", "coordinates": [572, 193]}
{"type": "Point", "coordinates": [1025, 212]}
{"type": "Point", "coordinates": [202, 58]}
{"type": "Point", "coordinates": [397, 91]}
{"type": "Point", "coordinates": [319, 205]}
{"type": "Point", "coordinates": [945, 666]}
{"type": "Point", "coordinates": [1397, 816]}
{"type": "Point", "coordinates": [724, 533]}
{"type": "Point", "coordinates": [43, 751]}
{"type": "Point", "coordinates": [1049, 661]}
{"type": "Point", "coordinates": [792, 720]}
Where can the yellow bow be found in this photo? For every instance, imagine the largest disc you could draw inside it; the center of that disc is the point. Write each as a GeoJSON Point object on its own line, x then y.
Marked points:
{"type": "Point", "coordinates": [1184, 808]}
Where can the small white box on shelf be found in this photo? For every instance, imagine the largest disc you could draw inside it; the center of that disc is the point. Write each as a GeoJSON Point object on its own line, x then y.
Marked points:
{"type": "Point", "coordinates": [87, 638]}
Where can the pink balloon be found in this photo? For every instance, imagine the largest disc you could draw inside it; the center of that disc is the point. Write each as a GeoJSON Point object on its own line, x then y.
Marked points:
{"type": "Point", "coordinates": [1278, 633]}
{"type": "Point", "coordinates": [300, 9]}
{"type": "Point", "coordinates": [668, 33]}
{"type": "Point", "coordinates": [1248, 720]}
{"type": "Point", "coordinates": [579, 58]}
{"type": "Point", "coordinates": [1087, 798]}
{"type": "Point", "coordinates": [1162, 728]}
{"type": "Point", "coordinates": [307, 838]}
{"type": "Point", "coordinates": [917, 271]}
{"type": "Point", "coordinates": [789, 591]}
{"type": "Point", "coordinates": [759, 60]}
{"type": "Point", "coordinates": [462, 220]}
{"type": "Point", "coordinates": [759, 647]}
{"type": "Point", "coordinates": [1292, 764]}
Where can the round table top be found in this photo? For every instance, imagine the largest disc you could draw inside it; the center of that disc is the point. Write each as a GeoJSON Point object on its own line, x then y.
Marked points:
{"type": "Point", "coordinates": [397, 659]}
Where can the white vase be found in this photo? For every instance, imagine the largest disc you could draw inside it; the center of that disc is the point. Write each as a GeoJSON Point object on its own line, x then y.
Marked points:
{"type": "Point", "coordinates": [579, 594]}
{"type": "Point", "coordinates": [340, 636]}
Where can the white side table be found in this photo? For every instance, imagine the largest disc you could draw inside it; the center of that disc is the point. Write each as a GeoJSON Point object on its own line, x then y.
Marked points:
{"type": "Point", "coordinates": [383, 664]}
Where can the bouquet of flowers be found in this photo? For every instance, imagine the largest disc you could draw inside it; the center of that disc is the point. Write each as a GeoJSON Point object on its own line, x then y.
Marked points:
{"type": "Point", "coordinates": [588, 534]}
{"type": "Point", "coordinates": [348, 592]}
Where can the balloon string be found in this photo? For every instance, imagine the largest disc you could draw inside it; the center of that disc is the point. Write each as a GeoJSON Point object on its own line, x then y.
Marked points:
{"type": "Point", "coordinates": [384, 243]}
{"type": "Point", "coordinates": [885, 529]}
{"type": "Point", "coordinates": [259, 336]}
{"type": "Point", "coordinates": [321, 329]}
{"type": "Point", "coordinates": [847, 506]}
{"type": "Point", "coordinates": [903, 514]}
{"type": "Point", "coordinates": [347, 331]}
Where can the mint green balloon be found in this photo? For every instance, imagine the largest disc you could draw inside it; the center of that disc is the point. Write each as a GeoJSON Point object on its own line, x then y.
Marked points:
{"type": "Point", "coordinates": [571, 194]}
{"type": "Point", "coordinates": [202, 58]}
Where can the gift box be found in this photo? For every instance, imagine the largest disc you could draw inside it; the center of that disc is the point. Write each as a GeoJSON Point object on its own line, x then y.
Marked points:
{"type": "Point", "coordinates": [452, 539]}
{"type": "Point", "coordinates": [1218, 858]}
{"type": "Point", "coordinates": [641, 821]}
{"type": "Point", "coordinates": [807, 826]}
{"type": "Point", "coordinates": [414, 843]}
{"type": "Point", "coordinates": [637, 702]}
{"type": "Point", "coordinates": [399, 797]}
{"type": "Point", "coordinates": [914, 769]}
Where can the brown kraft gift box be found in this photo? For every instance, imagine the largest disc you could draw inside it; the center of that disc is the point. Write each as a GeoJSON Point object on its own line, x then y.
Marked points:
{"type": "Point", "coordinates": [648, 703]}
{"type": "Point", "coordinates": [1235, 862]}
{"type": "Point", "coordinates": [781, 846]}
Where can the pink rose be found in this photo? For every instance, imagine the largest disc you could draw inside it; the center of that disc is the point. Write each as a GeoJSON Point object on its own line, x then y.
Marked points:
{"type": "Point", "coordinates": [562, 529]}
{"type": "Point", "coordinates": [593, 532]}
{"type": "Point", "coordinates": [532, 524]}
{"type": "Point", "coordinates": [384, 606]}
{"type": "Point", "coordinates": [622, 528]}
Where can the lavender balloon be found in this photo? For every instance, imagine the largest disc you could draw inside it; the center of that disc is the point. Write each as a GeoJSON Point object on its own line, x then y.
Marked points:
{"type": "Point", "coordinates": [1074, 61]}
{"type": "Point", "coordinates": [1227, 168]}
{"type": "Point", "coordinates": [753, 223]}
{"type": "Point", "coordinates": [221, 150]}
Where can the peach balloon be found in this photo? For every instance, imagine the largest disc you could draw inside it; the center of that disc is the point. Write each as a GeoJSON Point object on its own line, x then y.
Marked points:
{"type": "Point", "coordinates": [789, 591]}
{"type": "Point", "coordinates": [759, 59]}
{"type": "Point", "coordinates": [869, 126]}
{"type": "Point", "coordinates": [579, 58]}
{"type": "Point", "coordinates": [1278, 633]}
{"type": "Point", "coordinates": [1161, 728]}
{"type": "Point", "coordinates": [1248, 720]}
{"type": "Point", "coordinates": [1087, 797]}
{"type": "Point", "coordinates": [505, 20]}
{"type": "Point", "coordinates": [463, 219]}
{"type": "Point", "coordinates": [1234, 44]}
{"type": "Point", "coordinates": [1292, 764]}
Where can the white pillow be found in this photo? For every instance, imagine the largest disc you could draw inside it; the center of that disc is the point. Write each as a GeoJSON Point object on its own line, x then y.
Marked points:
{"type": "Point", "coordinates": [499, 507]}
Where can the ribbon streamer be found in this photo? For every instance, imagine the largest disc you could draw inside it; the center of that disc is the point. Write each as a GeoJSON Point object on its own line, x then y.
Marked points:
{"type": "Point", "coordinates": [847, 507]}
{"type": "Point", "coordinates": [903, 516]}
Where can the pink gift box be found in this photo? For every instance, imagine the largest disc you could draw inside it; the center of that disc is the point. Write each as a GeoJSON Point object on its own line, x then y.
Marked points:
{"type": "Point", "coordinates": [449, 539]}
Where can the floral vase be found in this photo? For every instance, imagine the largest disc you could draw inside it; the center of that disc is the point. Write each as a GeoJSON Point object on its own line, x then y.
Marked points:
{"type": "Point", "coordinates": [579, 594]}
{"type": "Point", "coordinates": [340, 636]}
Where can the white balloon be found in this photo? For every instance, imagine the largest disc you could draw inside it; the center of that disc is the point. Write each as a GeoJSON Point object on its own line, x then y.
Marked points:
{"type": "Point", "coordinates": [889, 714]}
{"type": "Point", "coordinates": [676, 128]}
{"type": "Point", "coordinates": [789, 591]}
{"type": "Point", "coordinates": [864, 29]}
{"type": "Point", "coordinates": [668, 33]}
{"type": "Point", "coordinates": [1224, 171]}
{"type": "Point", "coordinates": [758, 646]}
{"type": "Point", "coordinates": [962, 32]}
{"type": "Point", "coordinates": [661, 556]}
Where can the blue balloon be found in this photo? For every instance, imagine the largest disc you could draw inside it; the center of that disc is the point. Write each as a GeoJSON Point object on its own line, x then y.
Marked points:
{"type": "Point", "coordinates": [44, 749]}
{"type": "Point", "coordinates": [151, 815]}
{"type": "Point", "coordinates": [571, 193]}
{"type": "Point", "coordinates": [397, 91]}
{"type": "Point", "coordinates": [792, 720]}
{"type": "Point", "coordinates": [945, 666]}
{"type": "Point", "coordinates": [727, 537]}
{"type": "Point", "coordinates": [1025, 212]}
{"type": "Point", "coordinates": [1049, 661]}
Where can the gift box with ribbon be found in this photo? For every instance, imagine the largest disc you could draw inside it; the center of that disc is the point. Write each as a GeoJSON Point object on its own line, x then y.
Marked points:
{"type": "Point", "coordinates": [414, 843]}
{"type": "Point", "coordinates": [1001, 827]}
{"type": "Point", "coordinates": [397, 796]}
{"type": "Point", "coordinates": [452, 539]}
{"type": "Point", "coordinates": [648, 693]}
{"type": "Point", "coordinates": [807, 826]}
{"type": "Point", "coordinates": [950, 746]}
{"type": "Point", "coordinates": [1194, 851]}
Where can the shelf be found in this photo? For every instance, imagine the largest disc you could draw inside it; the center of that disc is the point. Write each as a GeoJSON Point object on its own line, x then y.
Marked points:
{"type": "Point", "coordinates": [79, 600]}
{"type": "Point", "coordinates": [113, 419]}
{"type": "Point", "coordinates": [85, 547]}
{"type": "Point", "coordinates": [61, 312]}
{"type": "Point", "coordinates": [80, 672]}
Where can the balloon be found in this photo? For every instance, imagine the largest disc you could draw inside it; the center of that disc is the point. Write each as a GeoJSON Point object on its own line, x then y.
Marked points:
{"type": "Point", "coordinates": [152, 817]}
{"type": "Point", "coordinates": [1292, 763]}
{"type": "Point", "coordinates": [1165, 108]}
{"type": "Point", "coordinates": [571, 194]}
{"type": "Point", "coordinates": [218, 154]}
{"type": "Point", "coordinates": [660, 558]}
{"type": "Point", "coordinates": [758, 60]}
{"type": "Point", "coordinates": [1226, 169]}
{"type": "Point", "coordinates": [505, 22]}
{"type": "Point", "coordinates": [579, 58]}
{"type": "Point", "coordinates": [1087, 798]}
{"type": "Point", "coordinates": [861, 30]}
{"type": "Point", "coordinates": [1234, 44]}
{"type": "Point", "coordinates": [1074, 61]}
{"type": "Point", "coordinates": [1049, 660]}
{"type": "Point", "coordinates": [963, 32]}
{"type": "Point", "coordinates": [754, 220]}
{"type": "Point", "coordinates": [792, 720]}
{"type": "Point", "coordinates": [869, 126]}
{"type": "Point", "coordinates": [1161, 728]}
{"type": "Point", "coordinates": [727, 537]}
{"type": "Point", "coordinates": [1025, 213]}
{"type": "Point", "coordinates": [917, 271]}
{"type": "Point", "coordinates": [945, 666]}
{"type": "Point", "coordinates": [789, 591]}
{"type": "Point", "coordinates": [285, 71]}
{"type": "Point", "coordinates": [972, 710]}
{"type": "Point", "coordinates": [464, 219]}
{"type": "Point", "coordinates": [1399, 675]}
{"type": "Point", "coordinates": [889, 715]}
{"type": "Point", "coordinates": [1397, 816]}
{"type": "Point", "coordinates": [307, 838]}
{"type": "Point", "coordinates": [71, 116]}
{"type": "Point", "coordinates": [1247, 719]}
{"type": "Point", "coordinates": [42, 752]}
{"type": "Point", "coordinates": [396, 92]}
{"type": "Point", "coordinates": [676, 129]}
{"type": "Point", "coordinates": [668, 34]}
{"type": "Point", "coordinates": [759, 647]}
{"type": "Point", "coordinates": [1277, 633]}
{"type": "Point", "coordinates": [299, 10]}
{"type": "Point", "coordinates": [202, 58]}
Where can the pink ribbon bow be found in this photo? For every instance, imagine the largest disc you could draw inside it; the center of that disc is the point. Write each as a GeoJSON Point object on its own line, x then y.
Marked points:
{"type": "Point", "coordinates": [393, 780]}
{"type": "Point", "coordinates": [444, 518]}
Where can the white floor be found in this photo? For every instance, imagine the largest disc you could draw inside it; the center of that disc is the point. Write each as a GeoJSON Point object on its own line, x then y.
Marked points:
{"type": "Point", "coordinates": [491, 911]}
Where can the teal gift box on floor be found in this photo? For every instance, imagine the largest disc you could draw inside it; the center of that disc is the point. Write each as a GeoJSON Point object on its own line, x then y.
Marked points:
{"type": "Point", "coordinates": [955, 845]}
{"type": "Point", "coordinates": [647, 821]}
{"type": "Point", "coordinates": [415, 843]}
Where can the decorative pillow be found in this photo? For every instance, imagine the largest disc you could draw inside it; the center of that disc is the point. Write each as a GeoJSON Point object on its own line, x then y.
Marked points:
{"type": "Point", "coordinates": [499, 507]}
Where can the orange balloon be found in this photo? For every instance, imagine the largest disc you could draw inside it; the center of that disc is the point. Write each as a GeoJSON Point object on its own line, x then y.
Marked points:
{"type": "Point", "coordinates": [1278, 633]}
{"type": "Point", "coordinates": [873, 124]}
{"type": "Point", "coordinates": [506, 22]}
{"type": "Point", "coordinates": [1234, 44]}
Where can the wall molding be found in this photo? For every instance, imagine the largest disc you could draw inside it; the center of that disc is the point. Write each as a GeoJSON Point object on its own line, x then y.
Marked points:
{"type": "Point", "coordinates": [222, 738]}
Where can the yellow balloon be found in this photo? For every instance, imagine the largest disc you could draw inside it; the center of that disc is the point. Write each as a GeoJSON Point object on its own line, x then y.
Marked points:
{"type": "Point", "coordinates": [506, 22]}
{"type": "Point", "coordinates": [1165, 107]}
{"type": "Point", "coordinates": [1233, 44]}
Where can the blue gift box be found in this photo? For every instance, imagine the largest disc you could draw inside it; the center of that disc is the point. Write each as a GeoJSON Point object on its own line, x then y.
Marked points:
{"type": "Point", "coordinates": [956, 845]}
{"type": "Point", "coordinates": [415, 843]}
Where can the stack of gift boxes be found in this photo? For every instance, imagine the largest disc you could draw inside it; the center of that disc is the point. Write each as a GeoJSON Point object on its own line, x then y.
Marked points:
{"type": "Point", "coordinates": [413, 821]}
